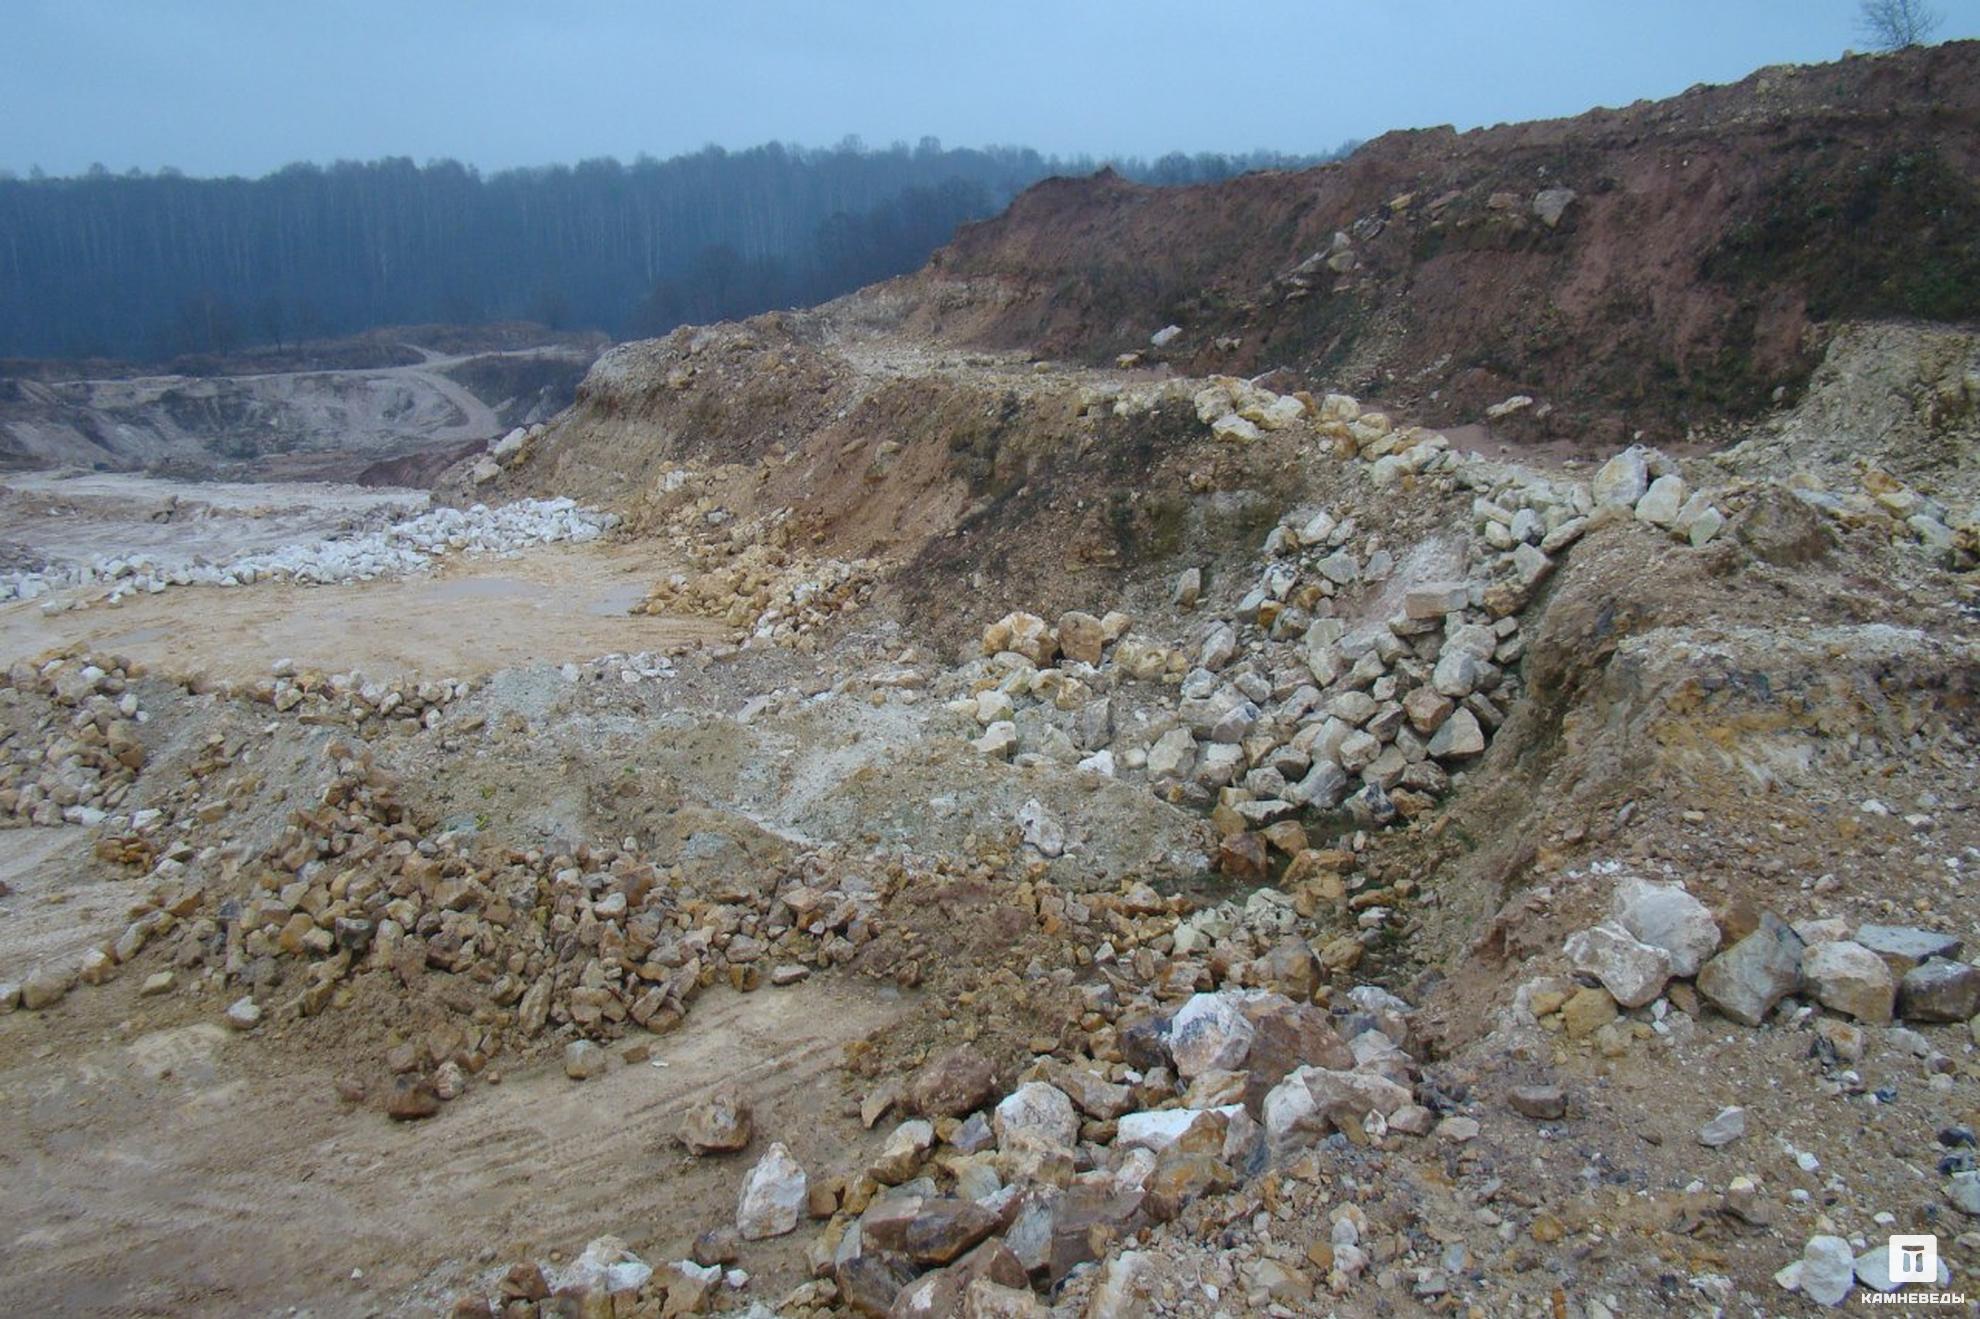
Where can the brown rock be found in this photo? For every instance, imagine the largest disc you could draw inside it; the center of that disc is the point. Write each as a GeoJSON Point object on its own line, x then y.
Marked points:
{"type": "Point", "coordinates": [1940, 989]}
{"type": "Point", "coordinates": [884, 1224]}
{"type": "Point", "coordinates": [1243, 858]}
{"type": "Point", "coordinates": [1087, 1221]}
{"type": "Point", "coordinates": [412, 1098]}
{"type": "Point", "coordinates": [953, 1084]}
{"type": "Point", "coordinates": [1542, 1103]}
{"type": "Point", "coordinates": [822, 1196]}
{"type": "Point", "coordinates": [881, 1098]}
{"type": "Point", "coordinates": [945, 1228]}
{"type": "Point", "coordinates": [1081, 637]}
{"type": "Point", "coordinates": [524, 1282]}
{"type": "Point", "coordinates": [1285, 1040]}
{"type": "Point", "coordinates": [984, 1299]}
{"type": "Point", "coordinates": [718, 1125]}
{"type": "Point", "coordinates": [1287, 836]}
{"type": "Point", "coordinates": [869, 1281]}
{"type": "Point", "coordinates": [1181, 1176]}
{"type": "Point", "coordinates": [718, 1245]}
{"type": "Point", "coordinates": [1091, 1094]}
{"type": "Point", "coordinates": [993, 1261]}
{"type": "Point", "coordinates": [1587, 1011]}
{"type": "Point", "coordinates": [1342, 954]}
{"type": "Point", "coordinates": [1291, 968]}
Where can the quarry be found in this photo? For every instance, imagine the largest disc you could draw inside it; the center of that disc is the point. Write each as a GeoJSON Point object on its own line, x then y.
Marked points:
{"type": "Point", "coordinates": [1395, 738]}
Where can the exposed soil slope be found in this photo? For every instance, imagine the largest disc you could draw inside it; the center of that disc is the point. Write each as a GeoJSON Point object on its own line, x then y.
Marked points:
{"type": "Point", "coordinates": [1708, 241]}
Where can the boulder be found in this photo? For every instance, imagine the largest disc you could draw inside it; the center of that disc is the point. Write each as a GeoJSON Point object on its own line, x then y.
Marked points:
{"type": "Point", "coordinates": [1905, 946]}
{"type": "Point", "coordinates": [412, 1098]}
{"type": "Point", "coordinates": [1623, 479]}
{"type": "Point", "coordinates": [1234, 429]}
{"type": "Point", "coordinates": [1846, 976]}
{"type": "Point", "coordinates": [1458, 737]}
{"type": "Point", "coordinates": [719, 1124]}
{"type": "Point", "coordinates": [1550, 204]}
{"type": "Point", "coordinates": [1026, 634]}
{"type": "Point", "coordinates": [1157, 1129]}
{"type": "Point", "coordinates": [1218, 648]}
{"type": "Point", "coordinates": [1665, 916]}
{"type": "Point", "coordinates": [999, 740]}
{"type": "Point", "coordinates": [1036, 1113]}
{"type": "Point", "coordinates": [1873, 1270]}
{"type": "Point", "coordinates": [44, 987]}
{"type": "Point", "coordinates": [906, 1146]}
{"type": "Point", "coordinates": [952, 1084]}
{"type": "Point", "coordinates": [1322, 788]}
{"type": "Point", "coordinates": [1312, 1101]}
{"type": "Point", "coordinates": [1746, 980]}
{"type": "Point", "coordinates": [1041, 832]}
{"type": "Point", "coordinates": [1724, 1128]}
{"type": "Point", "coordinates": [1092, 1094]}
{"type": "Point", "coordinates": [1210, 1030]}
{"type": "Point", "coordinates": [1661, 502]}
{"type": "Point", "coordinates": [583, 1060]}
{"type": "Point", "coordinates": [945, 1227]}
{"type": "Point", "coordinates": [773, 1196]}
{"type": "Point", "coordinates": [1542, 1103]}
{"type": "Point", "coordinates": [1632, 971]}
{"type": "Point", "coordinates": [1435, 599]}
{"type": "Point", "coordinates": [1173, 756]}
{"type": "Point", "coordinates": [1082, 637]}
{"type": "Point", "coordinates": [1828, 1270]}
{"type": "Point", "coordinates": [1939, 989]}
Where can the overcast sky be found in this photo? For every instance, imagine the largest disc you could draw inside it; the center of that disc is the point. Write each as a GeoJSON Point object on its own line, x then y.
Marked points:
{"type": "Point", "coordinates": [245, 86]}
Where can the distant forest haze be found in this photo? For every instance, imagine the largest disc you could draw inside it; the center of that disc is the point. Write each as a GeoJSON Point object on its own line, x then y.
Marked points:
{"type": "Point", "coordinates": [148, 266]}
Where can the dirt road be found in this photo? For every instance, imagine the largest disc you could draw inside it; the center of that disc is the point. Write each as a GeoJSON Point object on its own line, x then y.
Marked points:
{"type": "Point", "coordinates": [184, 1170]}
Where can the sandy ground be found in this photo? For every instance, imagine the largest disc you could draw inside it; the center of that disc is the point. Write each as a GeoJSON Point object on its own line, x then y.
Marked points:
{"type": "Point", "coordinates": [474, 615]}
{"type": "Point", "coordinates": [181, 1170]}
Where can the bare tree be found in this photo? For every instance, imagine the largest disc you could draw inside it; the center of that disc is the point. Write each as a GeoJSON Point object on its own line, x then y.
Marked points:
{"type": "Point", "coordinates": [1896, 24]}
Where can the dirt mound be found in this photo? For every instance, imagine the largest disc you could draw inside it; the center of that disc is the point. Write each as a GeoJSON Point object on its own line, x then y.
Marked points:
{"type": "Point", "coordinates": [1653, 268]}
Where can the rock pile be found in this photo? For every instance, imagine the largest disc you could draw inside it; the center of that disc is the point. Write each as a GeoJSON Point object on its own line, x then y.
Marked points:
{"type": "Point", "coordinates": [400, 548]}
{"type": "Point", "coordinates": [1888, 506]}
{"type": "Point", "coordinates": [985, 1198]}
{"type": "Point", "coordinates": [1658, 933]}
{"type": "Point", "coordinates": [1280, 709]}
{"type": "Point", "coordinates": [589, 945]}
{"type": "Point", "coordinates": [82, 749]}
{"type": "Point", "coordinates": [1283, 708]}
{"type": "Point", "coordinates": [749, 577]}
{"type": "Point", "coordinates": [405, 704]}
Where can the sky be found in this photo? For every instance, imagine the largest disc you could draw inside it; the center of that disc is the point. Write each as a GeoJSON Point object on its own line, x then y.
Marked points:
{"type": "Point", "coordinates": [246, 86]}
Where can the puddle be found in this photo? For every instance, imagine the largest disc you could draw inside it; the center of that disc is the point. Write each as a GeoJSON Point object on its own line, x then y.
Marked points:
{"type": "Point", "coordinates": [617, 601]}
{"type": "Point", "coordinates": [487, 588]}
{"type": "Point", "coordinates": [136, 637]}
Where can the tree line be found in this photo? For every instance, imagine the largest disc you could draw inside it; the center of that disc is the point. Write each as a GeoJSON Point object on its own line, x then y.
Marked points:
{"type": "Point", "coordinates": [153, 265]}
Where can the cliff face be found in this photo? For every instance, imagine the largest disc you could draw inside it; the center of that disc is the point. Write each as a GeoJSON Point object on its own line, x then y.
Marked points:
{"type": "Point", "coordinates": [1658, 267]}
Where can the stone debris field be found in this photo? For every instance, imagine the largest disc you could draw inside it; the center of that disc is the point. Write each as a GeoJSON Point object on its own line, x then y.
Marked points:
{"type": "Point", "coordinates": [855, 818]}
